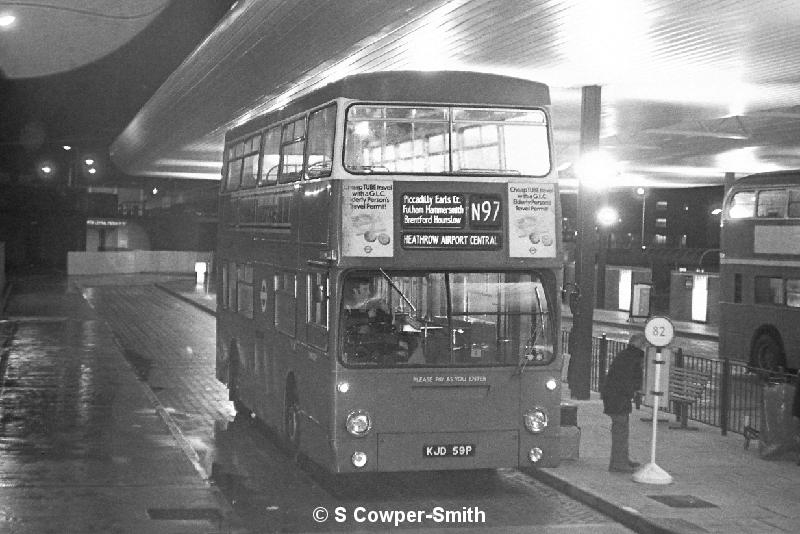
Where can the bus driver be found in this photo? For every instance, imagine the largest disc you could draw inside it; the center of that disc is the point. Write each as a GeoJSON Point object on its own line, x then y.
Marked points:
{"type": "Point", "coordinates": [360, 301]}
{"type": "Point", "coordinates": [370, 333]}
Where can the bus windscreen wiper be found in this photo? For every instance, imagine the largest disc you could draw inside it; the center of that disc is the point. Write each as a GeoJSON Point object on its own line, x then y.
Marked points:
{"type": "Point", "coordinates": [399, 291]}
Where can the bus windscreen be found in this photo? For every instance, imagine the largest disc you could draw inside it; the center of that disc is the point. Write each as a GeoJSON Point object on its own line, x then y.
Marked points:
{"type": "Point", "coordinates": [445, 319]}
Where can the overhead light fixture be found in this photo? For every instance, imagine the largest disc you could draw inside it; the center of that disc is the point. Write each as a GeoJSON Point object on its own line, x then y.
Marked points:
{"type": "Point", "coordinates": [7, 20]}
{"type": "Point", "coordinates": [607, 216]}
{"type": "Point", "coordinates": [597, 170]}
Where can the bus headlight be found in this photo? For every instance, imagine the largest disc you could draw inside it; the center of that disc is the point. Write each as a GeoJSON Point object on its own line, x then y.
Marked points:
{"type": "Point", "coordinates": [535, 420]}
{"type": "Point", "coordinates": [358, 423]}
{"type": "Point", "coordinates": [535, 454]}
{"type": "Point", "coordinates": [359, 459]}
{"type": "Point", "coordinates": [551, 384]}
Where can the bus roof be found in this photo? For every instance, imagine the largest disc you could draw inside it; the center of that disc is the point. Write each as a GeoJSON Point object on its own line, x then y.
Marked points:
{"type": "Point", "coordinates": [791, 177]}
{"type": "Point", "coordinates": [446, 87]}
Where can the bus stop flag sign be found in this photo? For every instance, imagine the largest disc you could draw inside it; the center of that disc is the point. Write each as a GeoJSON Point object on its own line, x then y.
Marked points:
{"type": "Point", "coordinates": [659, 332]}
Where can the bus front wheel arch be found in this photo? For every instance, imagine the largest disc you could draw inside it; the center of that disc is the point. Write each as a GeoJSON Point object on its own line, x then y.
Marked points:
{"type": "Point", "coordinates": [767, 351]}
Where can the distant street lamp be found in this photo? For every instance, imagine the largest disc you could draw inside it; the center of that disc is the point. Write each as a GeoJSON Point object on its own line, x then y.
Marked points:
{"type": "Point", "coordinates": [606, 217]}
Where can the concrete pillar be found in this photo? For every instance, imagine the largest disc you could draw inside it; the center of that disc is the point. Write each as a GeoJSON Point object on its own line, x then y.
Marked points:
{"type": "Point", "coordinates": [580, 363]}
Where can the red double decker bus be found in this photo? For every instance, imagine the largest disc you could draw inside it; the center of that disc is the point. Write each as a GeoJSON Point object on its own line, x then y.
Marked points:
{"type": "Point", "coordinates": [760, 271]}
{"type": "Point", "coordinates": [390, 256]}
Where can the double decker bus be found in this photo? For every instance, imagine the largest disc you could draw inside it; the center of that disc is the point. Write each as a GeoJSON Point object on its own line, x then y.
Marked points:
{"type": "Point", "coordinates": [389, 273]}
{"type": "Point", "coordinates": [760, 271]}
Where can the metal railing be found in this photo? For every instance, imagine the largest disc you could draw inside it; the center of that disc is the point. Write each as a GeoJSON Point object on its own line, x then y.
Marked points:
{"type": "Point", "coordinates": [732, 399]}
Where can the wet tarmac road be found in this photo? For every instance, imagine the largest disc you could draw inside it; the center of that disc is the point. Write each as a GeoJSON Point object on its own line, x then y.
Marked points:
{"type": "Point", "coordinates": [69, 460]}
{"type": "Point", "coordinates": [170, 345]}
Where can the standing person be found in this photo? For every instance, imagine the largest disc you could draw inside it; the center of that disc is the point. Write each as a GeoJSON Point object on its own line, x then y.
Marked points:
{"type": "Point", "coordinates": [624, 379]}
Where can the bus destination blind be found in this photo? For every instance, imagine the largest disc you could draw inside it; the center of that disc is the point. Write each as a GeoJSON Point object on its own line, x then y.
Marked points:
{"type": "Point", "coordinates": [451, 221]}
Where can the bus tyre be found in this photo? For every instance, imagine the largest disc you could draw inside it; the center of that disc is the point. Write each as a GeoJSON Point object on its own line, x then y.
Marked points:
{"type": "Point", "coordinates": [291, 420]}
{"type": "Point", "coordinates": [767, 353]}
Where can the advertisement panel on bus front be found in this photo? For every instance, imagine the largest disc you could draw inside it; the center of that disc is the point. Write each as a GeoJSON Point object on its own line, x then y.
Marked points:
{"type": "Point", "coordinates": [444, 220]}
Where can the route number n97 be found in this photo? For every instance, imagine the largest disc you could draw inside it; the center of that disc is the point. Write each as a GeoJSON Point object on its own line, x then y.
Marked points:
{"type": "Point", "coordinates": [485, 211]}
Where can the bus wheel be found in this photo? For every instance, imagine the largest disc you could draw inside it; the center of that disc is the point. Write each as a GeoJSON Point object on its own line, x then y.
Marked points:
{"type": "Point", "coordinates": [767, 353]}
{"type": "Point", "coordinates": [291, 419]}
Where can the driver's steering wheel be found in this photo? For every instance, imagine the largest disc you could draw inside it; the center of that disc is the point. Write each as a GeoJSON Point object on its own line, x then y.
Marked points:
{"type": "Point", "coordinates": [374, 341]}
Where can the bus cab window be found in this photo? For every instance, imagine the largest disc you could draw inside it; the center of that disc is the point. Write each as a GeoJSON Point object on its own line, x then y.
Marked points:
{"type": "Point", "coordinates": [742, 205]}
{"type": "Point", "coordinates": [369, 335]}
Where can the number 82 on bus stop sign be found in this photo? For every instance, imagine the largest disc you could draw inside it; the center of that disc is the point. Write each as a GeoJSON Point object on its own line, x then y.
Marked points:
{"type": "Point", "coordinates": [659, 331]}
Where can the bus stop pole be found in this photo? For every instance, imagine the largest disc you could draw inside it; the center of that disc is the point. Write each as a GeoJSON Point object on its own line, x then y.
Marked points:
{"type": "Point", "coordinates": [580, 364]}
{"type": "Point", "coordinates": [651, 473]}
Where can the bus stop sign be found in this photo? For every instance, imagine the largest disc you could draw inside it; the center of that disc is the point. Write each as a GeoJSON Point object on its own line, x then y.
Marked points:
{"type": "Point", "coordinates": [659, 331]}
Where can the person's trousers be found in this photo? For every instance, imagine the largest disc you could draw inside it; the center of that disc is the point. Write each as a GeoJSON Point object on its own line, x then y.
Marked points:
{"type": "Point", "coordinates": [619, 440]}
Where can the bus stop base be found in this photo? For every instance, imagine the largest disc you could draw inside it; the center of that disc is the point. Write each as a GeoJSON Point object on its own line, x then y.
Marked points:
{"type": "Point", "coordinates": [650, 473]}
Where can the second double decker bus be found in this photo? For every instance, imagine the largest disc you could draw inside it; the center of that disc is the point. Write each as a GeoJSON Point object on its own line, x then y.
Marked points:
{"type": "Point", "coordinates": [760, 271]}
{"type": "Point", "coordinates": [390, 270]}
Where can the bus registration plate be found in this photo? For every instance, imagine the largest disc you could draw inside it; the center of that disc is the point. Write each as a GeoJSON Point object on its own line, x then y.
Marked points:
{"type": "Point", "coordinates": [439, 451]}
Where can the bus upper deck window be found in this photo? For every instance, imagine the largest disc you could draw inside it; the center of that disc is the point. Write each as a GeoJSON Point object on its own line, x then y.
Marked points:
{"type": "Point", "coordinates": [771, 204]}
{"type": "Point", "coordinates": [500, 141]}
{"type": "Point", "coordinates": [742, 205]}
{"type": "Point", "coordinates": [793, 209]}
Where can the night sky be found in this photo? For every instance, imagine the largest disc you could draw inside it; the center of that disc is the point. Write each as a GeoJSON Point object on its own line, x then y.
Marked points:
{"type": "Point", "coordinates": [88, 107]}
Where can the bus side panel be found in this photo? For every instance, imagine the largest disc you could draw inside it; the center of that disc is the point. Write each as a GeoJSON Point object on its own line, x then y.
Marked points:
{"type": "Point", "coordinates": [734, 340]}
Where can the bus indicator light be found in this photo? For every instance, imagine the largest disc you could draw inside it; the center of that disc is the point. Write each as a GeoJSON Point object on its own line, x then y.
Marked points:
{"type": "Point", "coordinates": [343, 387]}
{"type": "Point", "coordinates": [535, 454]}
{"type": "Point", "coordinates": [551, 384]}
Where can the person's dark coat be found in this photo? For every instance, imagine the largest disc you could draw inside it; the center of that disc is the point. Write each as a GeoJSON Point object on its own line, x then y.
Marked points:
{"type": "Point", "coordinates": [624, 379]}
